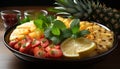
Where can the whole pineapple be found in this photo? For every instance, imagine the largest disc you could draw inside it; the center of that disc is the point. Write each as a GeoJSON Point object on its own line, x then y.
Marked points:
{"type": "Point", "coordinates": [90, 10]}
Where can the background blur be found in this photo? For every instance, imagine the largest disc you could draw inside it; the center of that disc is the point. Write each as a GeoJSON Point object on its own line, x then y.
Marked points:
{"type": "Point", "coordinates": [4, 3]}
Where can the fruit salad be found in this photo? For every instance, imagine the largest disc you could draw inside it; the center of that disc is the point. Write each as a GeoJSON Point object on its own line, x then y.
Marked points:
{"type": "Point", "coordinates": [58, 37]}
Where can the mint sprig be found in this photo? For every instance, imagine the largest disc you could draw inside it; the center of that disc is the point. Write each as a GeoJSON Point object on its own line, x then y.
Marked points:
{"type": "Point", "coordinates": [56, 31]}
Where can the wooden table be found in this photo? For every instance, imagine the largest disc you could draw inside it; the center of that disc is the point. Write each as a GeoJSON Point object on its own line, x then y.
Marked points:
{"type": "Point", "coordinates": [9, 61]}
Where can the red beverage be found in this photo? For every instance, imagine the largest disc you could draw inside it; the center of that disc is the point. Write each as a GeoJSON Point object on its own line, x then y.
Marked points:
{"type": "Point", "coordinates": [10, 18]}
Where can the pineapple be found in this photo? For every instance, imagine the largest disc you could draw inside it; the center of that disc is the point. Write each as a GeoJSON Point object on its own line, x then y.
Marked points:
{"type": "Point", "coordinates": [90, 10]}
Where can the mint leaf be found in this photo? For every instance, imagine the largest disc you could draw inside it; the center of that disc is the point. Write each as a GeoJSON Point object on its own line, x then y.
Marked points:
{"type": "Point", "coordinates": [27, 19]}
{"type": "Point", "coordinates": [55, 39]}
{"type": "Point", "coordinates": [83, 33]}
{"type": "Point", "coordinates": [38, 23]}
{"type": "Point", "coordinates": [74, 26]}
{"type": "Point", "coordinates": [50, 18]}
{"type": "Point", "coordinates": [55, 30]}
{"type": "Point", "coordinates": [42, 17]}
{"type": "Point", "coordinates": [59, 24]}
{"type": "Point", "coordinates": [75, 30]}
{"type": "Point", "coordinates": [75, 23]}
{"type": "Point", "coordinates": [48, 33]}
{"type": "Point", "coordinates": [66, 33]}
{"type": "Point", "coordinates": [74, 36]}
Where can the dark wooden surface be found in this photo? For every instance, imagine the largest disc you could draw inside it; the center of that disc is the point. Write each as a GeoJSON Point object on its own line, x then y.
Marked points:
{"type": "Point", "coordinates": [9, 61]}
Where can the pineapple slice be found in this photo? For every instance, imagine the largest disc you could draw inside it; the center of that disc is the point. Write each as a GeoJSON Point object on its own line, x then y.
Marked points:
{"type": "Point", "coordinates": [27, 28]}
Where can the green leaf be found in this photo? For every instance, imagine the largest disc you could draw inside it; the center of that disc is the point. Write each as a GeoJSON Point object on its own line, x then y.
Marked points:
{"type": "Point", "coordinates": [39, 23]}
{"type": "Point", "coordinates": [83, 33]}
{"type": "Point", "coordinates": [55, 39]}
{"type": "Point", "coordinates": [55, 30]}
{"type": "Point", "coordinates": [42, 17]}
{"type": "Point", "coordinates": [74, 23]}
{"type": "Point", "coordinates": [59, 24]}
{"type": "Point", "coordinates": [74, 36]}
{"type": "Point", "coordinates": [75, 30]}
{"type": "Point", "coordinates": [55, 10]}
{"type": "Point", "coordinates": [50, 18]}
{"type": "Point", "coordinates": [74, 26]}
{"type": "Point", "coordinates": [66, 33]}
{"type": "Point", "coordinates": [48, 33]}
{"type": "Point", "coordinates": [27, 19]}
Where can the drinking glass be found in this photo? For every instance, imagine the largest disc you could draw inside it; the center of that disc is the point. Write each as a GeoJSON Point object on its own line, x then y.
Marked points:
{"type": "Point", "coordinates": [31, 14]}
{"type": "Point", "coordinates": [10, 17]}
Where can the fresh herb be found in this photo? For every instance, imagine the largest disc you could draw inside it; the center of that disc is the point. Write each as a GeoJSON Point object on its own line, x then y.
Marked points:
{"type": "Point", "coordinates": [55, 30]}
{"type": "Point", "coordinates": [27, 19]}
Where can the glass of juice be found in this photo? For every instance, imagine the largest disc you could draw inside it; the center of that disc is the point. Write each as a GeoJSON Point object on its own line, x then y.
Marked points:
{"type": "Point", "coordinates": [10, 17]}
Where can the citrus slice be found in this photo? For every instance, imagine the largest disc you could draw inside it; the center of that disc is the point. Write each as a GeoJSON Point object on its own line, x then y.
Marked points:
{"type": "Point", "coordinates": [75, 47]}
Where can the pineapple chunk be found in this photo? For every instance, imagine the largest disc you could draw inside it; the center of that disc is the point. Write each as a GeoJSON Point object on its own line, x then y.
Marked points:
{"type": "Point", "coordinates": [36, 34]}
{"type": "Point", "coordinates": [28, 25]}
{"type": "Point", "coordinates": [25, 29]}
{"type": "Point", "coordinates": [102, 36]}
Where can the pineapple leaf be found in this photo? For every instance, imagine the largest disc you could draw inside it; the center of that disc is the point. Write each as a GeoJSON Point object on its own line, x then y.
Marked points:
{"type": "Point", "coordinates": [55, 10]}
{"type": "Point", "coordinates": [64, 2]}
{"type": "Point", "coordinates": [71, 10]}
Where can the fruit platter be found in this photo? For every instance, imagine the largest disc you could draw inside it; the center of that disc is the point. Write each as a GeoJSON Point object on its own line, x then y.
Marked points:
{"type": "Point", "coordinates": [75, 36]}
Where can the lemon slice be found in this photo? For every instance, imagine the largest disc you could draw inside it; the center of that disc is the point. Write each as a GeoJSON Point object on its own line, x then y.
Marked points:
{"type": "Point", "coordinates": [75, 47]}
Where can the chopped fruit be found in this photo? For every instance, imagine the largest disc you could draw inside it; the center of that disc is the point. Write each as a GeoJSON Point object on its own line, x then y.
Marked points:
{"type": "Point", "coordinates": [17, 46]}
{"type": "Point", "coordinates": [35, 43]}
{"type": "Point", "coordinates": [44, 42]}
{"type": "Point", "coordinates": [13, 42]}
{"type": "Point", "coordinates": [55, 53]}
{"type": "Point", "coordinates": [25, 47]}
{"type": "Point", "coordinates": [39, 52]}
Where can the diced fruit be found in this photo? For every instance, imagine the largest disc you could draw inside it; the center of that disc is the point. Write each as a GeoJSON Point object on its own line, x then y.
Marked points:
{"type": "Point", "coordinates": [74, 47]}
{"type": "Point", "coordinates": [35, 43]}
{"type": "Point", "coordinates": [13, 42]}
{"type": "Point", "coordinates": [17, 46]}
{"type": "Point", "coordinates": [25, 47]}
{"type": "Point", "coordinates": [39, 52]}
{"type": "Point", "coordinates": [55, 53]}
{"type": "Point", "coordinates": [44, 42]}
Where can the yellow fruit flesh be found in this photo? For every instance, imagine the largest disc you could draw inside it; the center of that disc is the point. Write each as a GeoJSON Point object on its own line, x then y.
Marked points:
{"type": "Point", "coordinates": [75, 47]}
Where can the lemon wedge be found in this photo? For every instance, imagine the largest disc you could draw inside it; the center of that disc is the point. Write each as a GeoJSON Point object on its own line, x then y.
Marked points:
{"type": "Point", "coordinates": [76, 47]}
